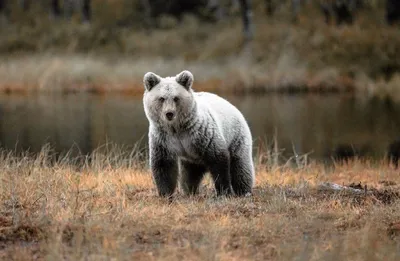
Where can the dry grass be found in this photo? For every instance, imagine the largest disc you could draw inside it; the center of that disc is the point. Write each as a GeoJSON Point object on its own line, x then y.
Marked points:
{"type": "Point", "coordinates": [108, 210]}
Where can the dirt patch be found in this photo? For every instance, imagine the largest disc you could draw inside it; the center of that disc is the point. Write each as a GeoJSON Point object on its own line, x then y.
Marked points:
{"type": "Point", "coordinates": [20, 242]}
{"type": "Point", "coordinates": [354, 194]}
{"type": "Point", "coordinates": [5, 222]}
{"type": "Point", "coordinates": [386, 195]}
{"type": "Point", "coordinates": [21, 233]}
{"type": "Point", "coordinates": [154, 238]}
{"type": "Point", "coordinates": [70, 231]}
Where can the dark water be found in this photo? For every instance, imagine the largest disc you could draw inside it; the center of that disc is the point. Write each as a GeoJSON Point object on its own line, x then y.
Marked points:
{"type": "Point", "coordinates": [314, 124]}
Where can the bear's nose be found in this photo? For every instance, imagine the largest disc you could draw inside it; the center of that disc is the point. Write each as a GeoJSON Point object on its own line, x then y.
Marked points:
{"type": "Point", "coordinates": [169, 115]}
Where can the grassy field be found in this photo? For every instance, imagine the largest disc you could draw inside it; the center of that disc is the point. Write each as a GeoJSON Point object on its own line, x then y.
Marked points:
{"type": "Point", "coordinates": [108, 210]}
{"type": "Point", "coordinates": [53, 56]}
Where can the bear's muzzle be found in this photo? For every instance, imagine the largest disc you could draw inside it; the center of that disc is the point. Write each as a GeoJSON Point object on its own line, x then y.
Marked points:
{"type": "Point", "coordinates": [169, 115]}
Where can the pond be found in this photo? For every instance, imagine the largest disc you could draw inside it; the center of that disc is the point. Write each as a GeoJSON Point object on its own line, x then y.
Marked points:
{"type": "Point", "coordinates": [306, 124]}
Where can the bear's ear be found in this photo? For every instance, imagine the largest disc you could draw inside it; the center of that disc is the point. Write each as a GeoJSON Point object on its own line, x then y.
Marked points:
{"type": "Point", "coordinates": [185, 78]}
{"type": "Point", "coordinates": [150, 80]}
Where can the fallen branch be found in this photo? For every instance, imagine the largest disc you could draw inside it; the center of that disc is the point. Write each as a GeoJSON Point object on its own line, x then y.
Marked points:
{"type": "Point", "coordinates": [329, 186]}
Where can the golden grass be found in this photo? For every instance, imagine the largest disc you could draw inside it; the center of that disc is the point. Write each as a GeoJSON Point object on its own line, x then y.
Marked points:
{"type": "Point", "coordinates": [108, 210]}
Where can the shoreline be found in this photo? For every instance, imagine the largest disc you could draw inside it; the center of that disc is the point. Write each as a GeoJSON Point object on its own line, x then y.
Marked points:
{"type": "Point", "coordinates": [49, 73]}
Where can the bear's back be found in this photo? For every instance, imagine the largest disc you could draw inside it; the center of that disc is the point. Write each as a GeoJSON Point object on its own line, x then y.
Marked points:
{"type": "Point", "coordinates": [217, 103]}
{"type": "Point", "coordinates": [229, 119]}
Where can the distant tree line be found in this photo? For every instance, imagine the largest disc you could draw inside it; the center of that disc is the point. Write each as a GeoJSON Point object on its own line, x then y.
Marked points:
{"type": "Point", "coordinates": [343, 11]}
{"type": "Point", "coordinates": [54, 6]}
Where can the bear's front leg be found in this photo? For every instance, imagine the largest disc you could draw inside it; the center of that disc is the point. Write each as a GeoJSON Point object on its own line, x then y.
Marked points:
{"type": "Point", "coordinates": [164, 168]}
{"type": "Point", "coordinates": [218, 162]}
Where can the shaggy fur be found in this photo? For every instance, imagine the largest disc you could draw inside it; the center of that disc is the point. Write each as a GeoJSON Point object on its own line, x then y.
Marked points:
{"type": "Point", "coordinates": [194, 133]}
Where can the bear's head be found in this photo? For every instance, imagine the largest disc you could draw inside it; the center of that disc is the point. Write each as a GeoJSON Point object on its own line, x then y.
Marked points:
{"type": "Point", "coordinates": [168, 101]}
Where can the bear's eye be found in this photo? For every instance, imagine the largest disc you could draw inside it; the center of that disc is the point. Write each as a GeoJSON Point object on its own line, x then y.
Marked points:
{"type": "Point", "coordinates": [161, 99]}
{"type": "Point", "coordinates": [176, 99]}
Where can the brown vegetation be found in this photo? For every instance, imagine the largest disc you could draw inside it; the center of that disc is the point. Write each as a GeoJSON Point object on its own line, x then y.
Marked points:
{"type": "Point", "coordinates": [109, 210]}
{"type": "Point", "coordinates": [43, 55]}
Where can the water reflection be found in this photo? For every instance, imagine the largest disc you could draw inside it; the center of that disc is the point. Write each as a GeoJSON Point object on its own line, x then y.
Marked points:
{"type": "Point", "coordinates": [315, 124]}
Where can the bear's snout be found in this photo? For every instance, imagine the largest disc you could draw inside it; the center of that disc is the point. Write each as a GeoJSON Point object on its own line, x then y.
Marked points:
{"type": "Point", "coordinates": [169, 115]}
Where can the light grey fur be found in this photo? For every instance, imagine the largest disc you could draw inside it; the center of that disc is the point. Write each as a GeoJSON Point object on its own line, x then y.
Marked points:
{"type": "Point", "coordinates": [206, 133]}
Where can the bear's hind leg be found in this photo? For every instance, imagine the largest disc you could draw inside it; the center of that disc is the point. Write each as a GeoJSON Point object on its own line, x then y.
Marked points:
{"type": "Point", "coordinates": [191, 176]}
{"type": "Point", "coordinates": [219, 167]}
{"type": "Point", "coordinates": [242, 174]}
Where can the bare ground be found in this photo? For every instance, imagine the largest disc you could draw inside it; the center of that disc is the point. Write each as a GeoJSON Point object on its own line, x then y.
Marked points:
{"type": "Point", "coordinates": [109, 210]}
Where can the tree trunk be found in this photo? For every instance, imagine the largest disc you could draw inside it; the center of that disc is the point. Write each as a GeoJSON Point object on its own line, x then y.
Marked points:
{"type": "Point", "coordinates": [86, 10]}
{"type": "Point", "coordinates": [55, 8]}
{"type": "Point", "coordinates": [247, 17]}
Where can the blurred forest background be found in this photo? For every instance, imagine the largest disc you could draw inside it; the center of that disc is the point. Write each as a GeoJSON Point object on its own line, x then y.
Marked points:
{"type": "Point", "coordinates": [233, 47]}
{"type": "Point", "coordinates": [292, 44]}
